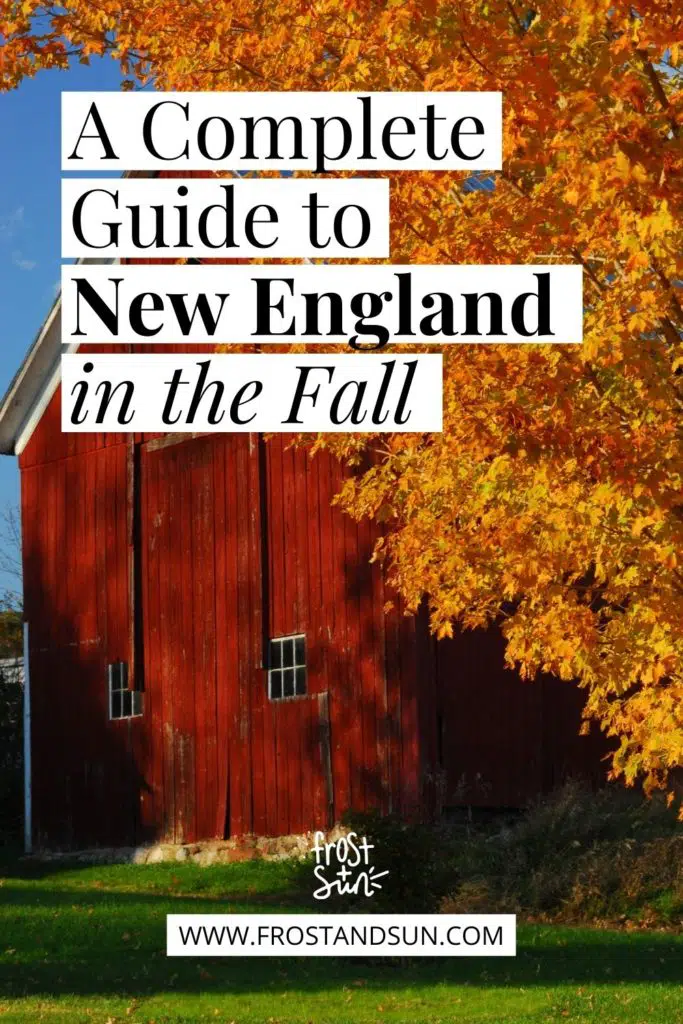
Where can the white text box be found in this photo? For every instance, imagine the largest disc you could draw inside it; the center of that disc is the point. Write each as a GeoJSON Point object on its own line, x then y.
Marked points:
{"type": "Point", "coordinates": [341, 935]}
{"type": "Point", "coordinates": [362, 392]}
{"type": "Point", "coordinates": [318, 131]}
{"type": "Point", "coordinates": [227, 217]}
{"type": "Point", "coordinates": [319, 304]}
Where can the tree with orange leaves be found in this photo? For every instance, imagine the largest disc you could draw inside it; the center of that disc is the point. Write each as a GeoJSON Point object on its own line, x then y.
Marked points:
{"type": "Point", "coordinates": [553, 499]}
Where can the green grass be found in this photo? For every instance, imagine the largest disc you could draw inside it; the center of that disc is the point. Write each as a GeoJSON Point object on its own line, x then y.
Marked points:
{"type": "Point", "coordinates": [81, 943]}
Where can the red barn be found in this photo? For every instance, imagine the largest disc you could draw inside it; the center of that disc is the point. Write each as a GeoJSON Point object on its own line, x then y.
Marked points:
{"type": "Point", "coordinates": [210, 655]}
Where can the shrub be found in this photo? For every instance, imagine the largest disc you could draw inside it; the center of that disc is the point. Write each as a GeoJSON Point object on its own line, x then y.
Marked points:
{"type": "Point", "coordinates": [577, 856]}
{"type": "Point", "coordinates": [11, 756]}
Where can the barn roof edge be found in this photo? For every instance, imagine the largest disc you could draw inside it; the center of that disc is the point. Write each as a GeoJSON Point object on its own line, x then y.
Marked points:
{"type": "Point", "coordinates": [35, 381]}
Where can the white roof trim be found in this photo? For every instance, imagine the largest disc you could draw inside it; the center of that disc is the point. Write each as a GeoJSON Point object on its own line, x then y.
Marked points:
{"type": "Point", "coordinates": [36, 381]}
{"type": "Point", "coordinates": [37, 368]}
{"type": "Point", "coordinates": [42, 400]}
{"type": "Point", "coordinates": [37, 378]}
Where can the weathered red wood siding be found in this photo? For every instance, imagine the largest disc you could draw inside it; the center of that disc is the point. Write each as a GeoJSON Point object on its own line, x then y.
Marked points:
{"type": "Point", "coordinates": [76, 603]}
{"type": "Point", "coordinates": [236, 540]}
{"type": "Point", "coordinates": [504, 741]}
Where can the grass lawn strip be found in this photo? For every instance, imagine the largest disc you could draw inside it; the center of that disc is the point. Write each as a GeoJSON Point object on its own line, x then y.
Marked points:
{"type": "Point", "coordinates": [86, 943]}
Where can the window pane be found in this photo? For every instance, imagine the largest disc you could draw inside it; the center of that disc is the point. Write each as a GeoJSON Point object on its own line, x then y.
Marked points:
{"type": "Point", "coordinates": [126, 703]}
{"type": "Point", "coordinates": [116, 704]}
{"type": "Point", "coordinates": [287, 653]}
{"type": "Point", "coordinates": [275, 654]}
{"type": "Point", "coordinates": [113, 673]}
{"type": "Point", "coordinates": [287, 667]}
{"type": "Point", "coordinates": [137, 702]}
{"type": "Point", "coordinates": [288, 688]}
{"type": "Point", "coordinates": [276, 685]}
{"type": "Point", "coordinates": [118, 675]}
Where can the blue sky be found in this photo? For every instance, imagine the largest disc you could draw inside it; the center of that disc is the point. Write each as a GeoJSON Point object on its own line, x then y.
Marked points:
{"type": "Point", "coordinates": [30, 218]}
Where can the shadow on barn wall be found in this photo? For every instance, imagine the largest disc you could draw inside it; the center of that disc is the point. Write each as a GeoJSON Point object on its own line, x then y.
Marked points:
{"type": "Point", "coordinates": [229, 541]}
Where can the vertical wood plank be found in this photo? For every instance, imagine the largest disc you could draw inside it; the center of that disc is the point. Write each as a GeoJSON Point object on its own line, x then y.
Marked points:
{"type": "Point", "coordinates": [224, 626]}
{"type": "Point", "coordinates": [244, 636]}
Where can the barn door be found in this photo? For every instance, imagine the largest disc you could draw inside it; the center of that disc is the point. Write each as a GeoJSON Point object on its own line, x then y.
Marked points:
{"type": "Point", "coordinates": [179, 624]}
{"type": "Point", "coordinates": [227, 759]}
{"type": "Point", "coordinates": [293, 784]}
{"type": "Point", "coordinates": [279, 778]}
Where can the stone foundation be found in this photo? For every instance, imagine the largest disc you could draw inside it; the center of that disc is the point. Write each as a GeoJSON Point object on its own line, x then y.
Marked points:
{"type": "Point", "coordinates": [206, 853]}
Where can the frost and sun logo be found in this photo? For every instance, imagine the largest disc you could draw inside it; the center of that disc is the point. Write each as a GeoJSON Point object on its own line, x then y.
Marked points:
{"type": "Point", "coordinates": [354, 873]}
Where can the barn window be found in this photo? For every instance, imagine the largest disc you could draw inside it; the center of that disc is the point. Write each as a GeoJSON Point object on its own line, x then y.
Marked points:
{"type": "Point", "coordinates": [123, 703]}
{"type": "Point", "coordinates": [287, 667]}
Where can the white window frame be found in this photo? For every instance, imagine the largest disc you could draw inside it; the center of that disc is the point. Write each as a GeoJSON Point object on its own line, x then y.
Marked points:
{"type": "Point", "coordinates": [281, 669]}
{"type": "Point", "coordinates": [136, 700]}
